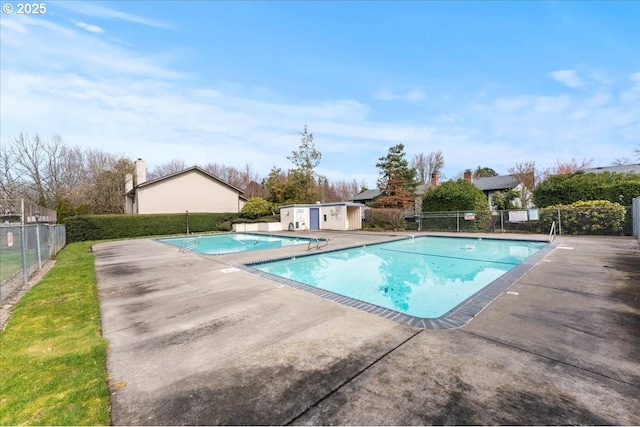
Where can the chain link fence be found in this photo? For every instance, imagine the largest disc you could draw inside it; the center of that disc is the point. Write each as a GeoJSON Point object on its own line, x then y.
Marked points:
{"type": "Point", "coordinates": [611, 221]}
{"type": "Point", "coordinates": [29, 238]}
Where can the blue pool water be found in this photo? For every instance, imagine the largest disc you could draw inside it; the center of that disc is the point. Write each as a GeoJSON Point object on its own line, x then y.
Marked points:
{"type": "Point", "coordinates": [218, 244]}
{"type": "Point", "coordinates": [423, 277]}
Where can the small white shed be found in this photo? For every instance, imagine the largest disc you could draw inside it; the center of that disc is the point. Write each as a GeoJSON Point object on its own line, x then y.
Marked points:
{"type": "Point", "coordinates": [322, 216]}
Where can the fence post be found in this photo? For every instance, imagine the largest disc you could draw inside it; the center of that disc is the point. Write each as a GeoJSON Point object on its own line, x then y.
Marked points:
{"type": "Point", "coordinates": [559, 223]}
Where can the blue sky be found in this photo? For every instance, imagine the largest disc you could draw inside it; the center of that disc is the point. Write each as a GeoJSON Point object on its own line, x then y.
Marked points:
{"type": "Point", "coordinates": [488, 83]}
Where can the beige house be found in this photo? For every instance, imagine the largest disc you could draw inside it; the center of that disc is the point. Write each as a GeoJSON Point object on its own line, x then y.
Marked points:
{"type": "Point", "coordinates": [192, 189]}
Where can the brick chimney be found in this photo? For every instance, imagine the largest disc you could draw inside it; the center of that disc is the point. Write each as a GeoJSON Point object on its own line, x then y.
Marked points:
{"type": "Point", "coordinates": [468, 176]}
{"type": "Point", "coordinates": [434, 179]}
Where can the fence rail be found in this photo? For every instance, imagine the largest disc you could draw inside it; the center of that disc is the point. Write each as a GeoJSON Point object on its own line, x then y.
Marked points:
{"type": "Point", "coordinates": [612, 221]}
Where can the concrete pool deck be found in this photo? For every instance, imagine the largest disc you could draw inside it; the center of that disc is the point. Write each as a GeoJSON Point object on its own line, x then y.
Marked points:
{"type": "Point", "coordinates": [194, 340]}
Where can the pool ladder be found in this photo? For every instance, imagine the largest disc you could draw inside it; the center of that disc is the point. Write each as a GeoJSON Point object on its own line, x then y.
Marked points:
{"type": "Point", "coordinates": [189, 245]}
{"type": "Point", "coordinates": [317, 242]}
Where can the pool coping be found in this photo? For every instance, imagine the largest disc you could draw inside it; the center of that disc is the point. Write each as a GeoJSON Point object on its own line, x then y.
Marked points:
{"type": "Point", "coordinates": [458, 316]}
{"type": "Point", "coordinates": [192, 236]}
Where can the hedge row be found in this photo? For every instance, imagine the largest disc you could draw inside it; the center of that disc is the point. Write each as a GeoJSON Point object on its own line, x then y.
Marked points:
{"type": "Point", "coordinates": [565, 189]}
{"type": "Point", "coordinates": [99, 227]}
{"type": "Point", "coordinates": [384, 219]}
{"type": "Point", "coordinates": [594, 217]}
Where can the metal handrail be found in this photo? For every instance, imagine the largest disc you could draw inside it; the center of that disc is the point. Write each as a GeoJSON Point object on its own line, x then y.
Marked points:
{"type": "Point", "coordinates": [189, 245]}
{"type": "Point", "coordinates": [317, 241]}
{"type": "Point", "coordinates": [552, 232]}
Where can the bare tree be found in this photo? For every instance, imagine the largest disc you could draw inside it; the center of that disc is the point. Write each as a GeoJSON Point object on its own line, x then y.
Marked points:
{"type": "Point", "coordinates": [11, 182]}
{"type": "Point", "coordinates": [427, 165]}
{"type": "Point", "coordinates": [172, 166]}
{"type": "Point", "coordinates": [529, 176]}
{"type": "Point", "coordinates": [346, 190]}
{"type": "Point", "coordinates": [622, 161]}
{"type": "Point", "coordinates": [106, 191]}
{"type": "Point", "coordinates": [571, 166]}
{"type": "Point", "coordinates": [255, 189]}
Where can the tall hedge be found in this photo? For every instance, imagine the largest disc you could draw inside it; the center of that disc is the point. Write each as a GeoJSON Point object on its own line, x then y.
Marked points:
{"type": "Point", "coordinates": [565, 189]}
{"type": "Point", "coordinates": [99, 227]}
{"type": "Point", "coordinates": [593, 217]}
{"type": "Point", "coordinates": [454, 196]}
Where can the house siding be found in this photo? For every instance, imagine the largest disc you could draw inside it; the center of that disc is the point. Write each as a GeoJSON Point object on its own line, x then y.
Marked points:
{"type": "Point", "coordinates": [192, 191]}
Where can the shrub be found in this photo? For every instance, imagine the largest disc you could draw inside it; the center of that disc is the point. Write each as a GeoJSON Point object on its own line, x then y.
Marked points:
{"type": "Point", "coordinates": [255, 207]}
{"type": "Point", "coordinates": [225, 226]}
{"type": "Point", "coordinates": [454, 196]}
{"type": "Point", "coordinates": [99, 227]}
{"type": "Point", "coordinates": [565, 189]}
{"type": "Point", "coordinates": [593, 217]}
{"type": "Point", "coordinates": [385, 219]}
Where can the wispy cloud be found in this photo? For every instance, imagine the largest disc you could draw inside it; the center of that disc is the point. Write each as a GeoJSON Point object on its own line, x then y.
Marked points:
{"type": "Point", "coordinates": [414, 95]}
{"type": "Point", "coordinates": [100, 94]}
{"type": "Point", "coordinates": [568, 78]}
{"type": "Point", "coordinates": [88, 27]}
{"type": "Point", "coordinates": [100, 11]}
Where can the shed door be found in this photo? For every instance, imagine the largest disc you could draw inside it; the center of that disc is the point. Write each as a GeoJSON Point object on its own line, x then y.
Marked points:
{"type": "Point", "coordinates": [314, 218]}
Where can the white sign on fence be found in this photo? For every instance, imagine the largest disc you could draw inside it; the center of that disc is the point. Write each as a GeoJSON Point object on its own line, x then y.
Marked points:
{"type": "Point", "coordinates": [517, 216]}
{"type": "Point", "coordinates": [9, 239]}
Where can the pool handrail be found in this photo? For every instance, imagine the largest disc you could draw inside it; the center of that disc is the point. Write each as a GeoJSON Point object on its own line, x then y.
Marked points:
{"type": "Point", "coordinates": [188, 245]}
{"type": "Point", "coordinates": [552, 232]}
{"type": "Point", "coordinates": [317, 242]}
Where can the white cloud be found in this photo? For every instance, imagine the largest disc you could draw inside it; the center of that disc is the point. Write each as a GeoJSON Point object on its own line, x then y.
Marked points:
{"type": "Point", "coordinates": [512, 104]}
{"type": "Point", "coordinates": [552, 104]}
{"type": "Point", "coordinates": [102, 95]}
{"type": "Point", "coordinates": [568, 78]}
{"type": "Point", "coordinates": [100, 11]}
{"type": "Point", "coordinates": [88, 27]}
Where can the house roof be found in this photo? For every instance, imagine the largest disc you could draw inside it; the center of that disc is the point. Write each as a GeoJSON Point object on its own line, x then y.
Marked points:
{"type": "Point", "coordinates": [193, 168]}
{"type": "Point", "coordinates": [367, 195]}
{"type": "Point", "coordinates": [422, 188]}
{"type": "Point", "coordinates": [633, 168]}
{"type": "Point", "coordinates": [500, 182]}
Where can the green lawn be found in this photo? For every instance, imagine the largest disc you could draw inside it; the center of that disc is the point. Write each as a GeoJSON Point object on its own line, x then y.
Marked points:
{"type": "Point", "coordinates": [10, 263]}
{"type": "Point", "coordinates": [52, 354]}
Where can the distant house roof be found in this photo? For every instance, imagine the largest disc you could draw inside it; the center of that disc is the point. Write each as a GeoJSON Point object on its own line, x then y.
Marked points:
{"type": "Point", "coordinates": [193, 168]}
{"type": "Point", "coordinates": [367, 195]}
{"type": "Point", "coordinates": [500, 182]}
{"type": "Point", "coordinates": [633, 168]}
{"type": "Point", "coordinates": [422, 188]}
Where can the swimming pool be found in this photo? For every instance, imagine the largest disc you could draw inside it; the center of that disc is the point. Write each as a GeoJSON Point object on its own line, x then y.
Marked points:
{"type": "Point", "coordinates": [219, 244]}
{"type": "Point", "coordinates": [419, 278]}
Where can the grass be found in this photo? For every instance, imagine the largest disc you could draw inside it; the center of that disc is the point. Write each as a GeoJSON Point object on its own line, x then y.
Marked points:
{"type": "Point", "coordinates": [52, 354]}
{"type": "Point", "coordinates": [10, 263]}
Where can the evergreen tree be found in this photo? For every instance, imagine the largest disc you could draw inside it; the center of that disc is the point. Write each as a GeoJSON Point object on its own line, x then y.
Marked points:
{"type": "Point", "coordinates": [395, 163]}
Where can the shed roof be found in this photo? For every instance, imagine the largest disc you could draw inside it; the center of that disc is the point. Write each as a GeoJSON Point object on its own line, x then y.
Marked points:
{"type": "Point", "coordinates": [317, 205]}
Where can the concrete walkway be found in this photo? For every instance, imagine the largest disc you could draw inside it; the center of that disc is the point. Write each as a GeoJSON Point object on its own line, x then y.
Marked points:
{"type": "Point", "coordinates": [195, 341]}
